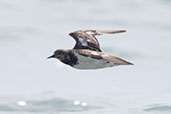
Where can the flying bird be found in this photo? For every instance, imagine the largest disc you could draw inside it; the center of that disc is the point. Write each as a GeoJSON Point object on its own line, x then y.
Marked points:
{"type": "Point", "coordinates": [87, 54]}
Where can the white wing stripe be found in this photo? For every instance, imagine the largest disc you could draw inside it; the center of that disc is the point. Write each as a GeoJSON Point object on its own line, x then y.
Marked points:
{"type": "Point", "coordinates": [84, 43]}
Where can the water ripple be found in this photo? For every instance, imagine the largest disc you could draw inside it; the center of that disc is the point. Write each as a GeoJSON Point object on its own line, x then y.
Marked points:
{"type": "Point", "coordinates": [51, 105]}
{"type": "Point", "coordinates": [158, 108]}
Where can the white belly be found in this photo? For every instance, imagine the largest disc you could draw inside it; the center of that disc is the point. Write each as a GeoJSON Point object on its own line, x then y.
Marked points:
{"type": "Point", "coordinates": [91, 63]}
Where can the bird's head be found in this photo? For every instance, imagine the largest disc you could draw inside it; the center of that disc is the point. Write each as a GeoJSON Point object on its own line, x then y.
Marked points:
{"type": "Point", "coordinates": [59, 54]}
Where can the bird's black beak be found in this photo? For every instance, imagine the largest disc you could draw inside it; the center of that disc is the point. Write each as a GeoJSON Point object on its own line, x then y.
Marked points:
{"type": "Point", "coordinates": [72, 34]}
{"type": "Point", "coordinates": [53, 56]}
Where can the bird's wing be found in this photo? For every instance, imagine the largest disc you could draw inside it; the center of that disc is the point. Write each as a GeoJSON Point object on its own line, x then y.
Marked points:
{"type": "Point", "coordinates": [90, 53]}
{"type": "Point", "coordinates": [86, 39]}
{"type": "Point", "coordinates": [100, 55]}
{"type": "Point", "coordinates": [116, 60]}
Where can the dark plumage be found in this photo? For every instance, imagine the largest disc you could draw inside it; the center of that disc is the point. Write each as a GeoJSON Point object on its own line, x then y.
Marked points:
{"type": "Point", "coordinates": [86, 53]}
{"type": "Point", "coordinates": [83, 37]}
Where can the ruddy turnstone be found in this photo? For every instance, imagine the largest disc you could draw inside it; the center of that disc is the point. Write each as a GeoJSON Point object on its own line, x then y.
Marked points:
{"type": "Point", "coordinates": [86, 53]}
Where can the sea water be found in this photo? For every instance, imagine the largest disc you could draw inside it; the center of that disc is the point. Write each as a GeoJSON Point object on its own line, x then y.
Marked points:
{"type": "Point", "coordinates": [31, 30]}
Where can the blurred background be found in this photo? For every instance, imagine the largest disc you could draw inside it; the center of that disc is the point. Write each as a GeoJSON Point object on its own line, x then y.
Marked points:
{"type": "Point", "coordinates": [31, 30]}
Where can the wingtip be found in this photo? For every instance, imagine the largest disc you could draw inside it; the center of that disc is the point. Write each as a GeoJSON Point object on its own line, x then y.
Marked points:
{"type": "Point", "coordinates": [123, 30]}
{"type": "Point", "coordinates": [130, 63]}
{"type": "Point", "coordinates": [126, 63]}
{"type": "Point", "coordinates": [111, 31]}
{"type": "Point", "coordinates": [120, 31]}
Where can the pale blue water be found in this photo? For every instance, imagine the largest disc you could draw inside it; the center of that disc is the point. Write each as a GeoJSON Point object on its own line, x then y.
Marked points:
{"type": "Point", "coordinates": [30, 30]}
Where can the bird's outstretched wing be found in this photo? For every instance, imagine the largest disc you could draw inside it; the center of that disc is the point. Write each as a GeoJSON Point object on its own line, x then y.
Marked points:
{"type": "Point", "coordinates": [86, 39]}
{"type": "Point", "coordinates": [100, 55]}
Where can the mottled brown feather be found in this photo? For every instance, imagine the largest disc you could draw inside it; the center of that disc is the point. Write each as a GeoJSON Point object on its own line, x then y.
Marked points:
{"type": "Point", "coordinates": [100, 55]}
{"type": "Point", "coordinates": [86, 39]}
{"type": "Point", "coordinates": [111, 31]}
{"type": "Point", "coordinates": [89, 53]}
{"type": "Point", "coordinates": [117, 60]}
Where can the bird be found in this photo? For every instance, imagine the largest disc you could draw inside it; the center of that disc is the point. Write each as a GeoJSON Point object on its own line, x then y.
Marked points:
{"type": "Point", "coordinates": [87, 54]}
